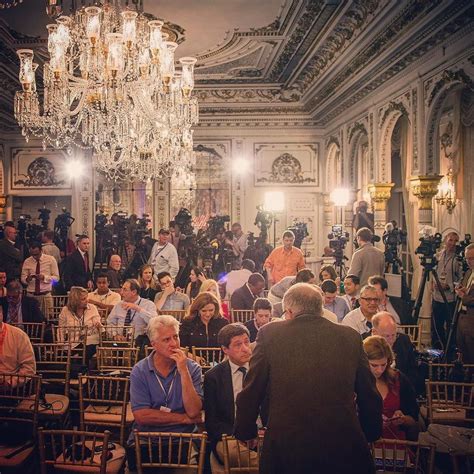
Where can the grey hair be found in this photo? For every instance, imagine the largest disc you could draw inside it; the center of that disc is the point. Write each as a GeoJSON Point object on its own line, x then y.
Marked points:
{"type": "Point", "coordinates": [368, 288]}
{"type": "Point", "coordinates": [469, 247]}
{"type": "Point", "coordinates": [158, 322]}
{"type": "Point", "coordinates": [382, 316]}
{"type": "Point", "coordinates": [303, 298]}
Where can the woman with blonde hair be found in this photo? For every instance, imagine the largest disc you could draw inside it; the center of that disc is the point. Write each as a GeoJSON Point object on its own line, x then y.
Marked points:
{"type": "Point", "coordinates": [148, 285]}
{"type": "Point", "coordinates": [79, 313]}
{"type": "Point", "coordinates": [203, 322]}
{"type": "Point", "coordinates": [400, 409]}
{"type": "Point", "coordinates": [212, 286]}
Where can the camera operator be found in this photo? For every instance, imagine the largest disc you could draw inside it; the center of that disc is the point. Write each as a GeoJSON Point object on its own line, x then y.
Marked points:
{"type": "Point", "coordinates": [49, 247]}
{"type": "Point", "coordinates": [449, 271]}
{"type": "Point", "coordinates": [238, 242]}
{"type": "Point", "coordinates": [367, 260]}
{"type": "Point", "coordinates": [465, 329]}
{"type": "Point", "coordinates": [114, 271]}
{"type": "Point", "coordinates": [164, 256]}
{"type": "Point", "coordinates": [362, 218]}
{"type": "Point", "coordinates": [10, 256]}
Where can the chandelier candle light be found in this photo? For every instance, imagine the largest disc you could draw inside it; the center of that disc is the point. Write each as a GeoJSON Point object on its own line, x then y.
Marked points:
{"type": "Point", "coordinates": [110, 86]}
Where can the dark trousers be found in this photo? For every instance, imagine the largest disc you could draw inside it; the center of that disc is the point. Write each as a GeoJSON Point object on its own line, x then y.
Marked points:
{"type": "Point", "coordinates": [441, 323]}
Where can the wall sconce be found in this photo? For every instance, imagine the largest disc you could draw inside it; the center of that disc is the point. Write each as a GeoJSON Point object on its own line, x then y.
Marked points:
{"type": "Point", "coordinates": [446, 192]}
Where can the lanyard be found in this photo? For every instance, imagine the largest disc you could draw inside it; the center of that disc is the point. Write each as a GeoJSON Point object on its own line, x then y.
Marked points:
{"type": "Point", "coordinates": [167, 393]}
{"type": "Point", "coordinates": [132, 317]}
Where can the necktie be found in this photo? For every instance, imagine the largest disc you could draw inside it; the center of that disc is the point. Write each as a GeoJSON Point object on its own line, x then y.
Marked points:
{"type": "Point", "coordinates": [86, 262]}
{"type": "Point", "coordinates": [128, 318]}
{"type": "Point", "coordinates": [244, 372]}
{"type": "Point", "coordinates": [37, 280]}
{"type": "Point", "coordinates": [369, 325]}
{"type": "Point", "coordinates": [353, 302]}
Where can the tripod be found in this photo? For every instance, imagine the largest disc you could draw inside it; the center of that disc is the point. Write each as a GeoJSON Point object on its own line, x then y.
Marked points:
{"type": "Point", "coordinates": [339, 265]}
{"type": "Point", "coordinates": [453, 327]}
{"type": "Point", "coordinates": [429, 268]}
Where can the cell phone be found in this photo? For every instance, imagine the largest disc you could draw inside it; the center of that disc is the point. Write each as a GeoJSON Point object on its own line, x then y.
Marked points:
{"type": "Point", "coordinates": [393, 418]}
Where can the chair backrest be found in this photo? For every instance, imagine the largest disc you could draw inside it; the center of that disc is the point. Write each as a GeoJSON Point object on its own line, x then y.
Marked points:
{"type": "Point", "coordinates": [35, 331]}
{"type": "Point", "coordinates": [53, 363]}
{"type": "Point", "coordinates": [179, 314]}
{"type": "Point", "coordinates": [241, 315]}
{"type": "Point", "coordinates": [110, 359]}
{"type": "Point", "coordinates": [109, 333]}
{"type": "Point", "coordinates": [207, 357]}
{"type": "Point", "coordinates": [73, 450]}
{"type": "Point", "coordinates": [103, 313]}
{"type": "Point", "coordinates": [149, 350]}
{"type": "Point", "coordinates": [438, 372]}
{"type": "Point", "coordinates": [170, 450]}
{"type": "Point", "coordinates": [413, 331]}
{"type": "Point", "coordinates": [450, 402]}
{"type": "Point", "coordinates": [19, 400]}
{"type": "Point", "coordinates": [242, 459]}
{"type": "Point", "coordinates": [75, 337]}
{"type": "Point", "coordinates": [53, 305]}
{"type": "Point", "coordinates": [393, 455]}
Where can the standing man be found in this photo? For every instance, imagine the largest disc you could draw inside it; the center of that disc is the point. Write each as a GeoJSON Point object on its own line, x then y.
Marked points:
{"type": "Point", "coordinates": [449, 272]}
{"type": "Point", "coordinates": [114, 271]}
{"type": "Point", "coordinates": [77, 267]}
{"type": "Point", "coordinates": [313, 396]}
{"type": "Point", "coordinates": [164, 257]}
{"type": "Point", "coordinates": [367, 260]}
{"type": "Point", "coordinates": [284, 260]}
{"type": "Point", "coordinates": [10, 256]}
{"type": "Point", "coordinates": [239, 242]}
{"type": "Point", "coordinates": [360, 319]}
{"type": "Point", "coordinates": [39, 272]}
{"type": "Point", "coordinates": [465, 330]}
{"type": "Point", "coordinates": [363, 218]}
{"type": "Point", "coordinates": [49, 248]}
{"type": "Point", "coordinates": [244, 297]}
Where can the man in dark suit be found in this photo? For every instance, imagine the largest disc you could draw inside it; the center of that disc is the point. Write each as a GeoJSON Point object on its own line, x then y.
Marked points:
{"type": "Point", "coordinates": [222, 384]}
{"type": "Point", "coordinates": [18, 308]}
{"type": "Point", "coordinates": [10, 256]}
{"type": "Point", "coordinates": [77, 267]}
{"type": "Point", "coordinates": [244, 297]}
{"type": "Point", "coordinates": [324, 405]}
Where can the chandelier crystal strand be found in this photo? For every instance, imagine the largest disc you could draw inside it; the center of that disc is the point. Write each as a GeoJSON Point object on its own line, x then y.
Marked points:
{"type": "Point", "coordinates": [111, 86]}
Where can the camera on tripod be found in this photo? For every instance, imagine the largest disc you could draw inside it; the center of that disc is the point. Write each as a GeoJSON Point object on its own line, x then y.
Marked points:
{"type": "Point", "coordinates": [300, 229]}
{"type": "Point", "coordinates": [429, 244]}
{"type": "Point", "coordinates": [338, 240]}
{"type": "Point", "coordinates": [460, 251]}
{"type": "Point", "coordinates": [216, 225]}
{"type": "Point", "coordinates": [392, 238]}
{"type": "Point", "coordinates": [184, 219]}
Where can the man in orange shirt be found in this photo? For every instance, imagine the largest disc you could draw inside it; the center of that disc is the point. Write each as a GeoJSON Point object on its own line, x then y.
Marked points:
{"type": "Point", "coordinates": [285, 260]}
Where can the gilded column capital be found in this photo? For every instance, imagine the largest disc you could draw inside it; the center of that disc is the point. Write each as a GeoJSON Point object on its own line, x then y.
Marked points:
{"type": "Point", "coordinates": [3, 201]}
{"type": "Point", "coordinates": [380, 194]}
{"type": "Point", "coordinates": [425, 189]}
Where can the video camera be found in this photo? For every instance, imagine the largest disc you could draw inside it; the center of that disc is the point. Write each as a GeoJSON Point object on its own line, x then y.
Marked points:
{"type": "Point", "coordinates": [100, 221]}
{"type": "Point", "coordinates": [461, 251]}
{"type": "Point", "coordinates": [337, 242]}
{"type": "Point", "coordinates": [184, 219]}
{"type": "Point", "coordinates": [392, 238]}
{"type": "Point", "coordinates": [300, 229]}
{"type": "Point", "coordinates": [429, 244]}
{"type": "Point", "coordinates": [263, 220]}
{"type": "Point", "coordinates": [216, 225]}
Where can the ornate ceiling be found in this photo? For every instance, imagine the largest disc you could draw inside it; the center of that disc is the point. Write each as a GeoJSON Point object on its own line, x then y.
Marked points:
{"type": "Point", "coordinates": [301, 60]}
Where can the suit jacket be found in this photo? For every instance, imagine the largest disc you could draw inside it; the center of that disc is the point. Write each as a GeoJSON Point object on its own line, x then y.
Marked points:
{"type": "Point", "coordinates": [367, 261]}
{"type": "Point", "coordinates": [405, 358]}
{"type": "Point", "coordinates": [323, 403]}
{"type": "Point", "coordinates": [30, 310]}
{"type": "Point", "coordinates": [10, 259]}
{"type": "Point", "coordinates": [242, 298]}
{"type": "Point", "coordinates": [74, 272]}
{"type": "Point", "coordinates": [468, 300]}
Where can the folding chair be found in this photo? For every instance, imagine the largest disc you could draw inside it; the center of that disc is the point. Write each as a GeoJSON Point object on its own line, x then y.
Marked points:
{"type": "Point", "coordinates": [177, 451]}
{"type": "Point", "coordinates": [19, 400]}
{"type": "Point", "coordinates": [104, 402]}
{"type": "Point", "coordinates": [207, 357]}
{"type": "Point", "coordinates": [241, 315]}
{"type": "Point", "coordinates": [414, 332]}
{"type": "Point", "coordinates": [110, 359]}
{"type": "Point", "coordinates": [35, 331]}
{"type": "Point", "coordinates": [393, 455]}
{"type": "Point", "coordinates": [109, 333]}
{"type": "Point", "coordinates": [238, 457]}
{"type": "Point", "coordinates": [179, 314]}
{"type": "Point", "coordinates": [450, 403]}
{"type": "Point", "coordinates": [79, 451]}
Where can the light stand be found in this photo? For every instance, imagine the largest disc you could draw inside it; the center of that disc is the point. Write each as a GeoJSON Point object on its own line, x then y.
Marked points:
{"type": "Point", "coordinates": [274, 201]}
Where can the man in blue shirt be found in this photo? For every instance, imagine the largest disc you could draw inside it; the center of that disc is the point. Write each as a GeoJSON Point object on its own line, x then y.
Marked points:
{"type": "Point", "coordinates": [331, 301]}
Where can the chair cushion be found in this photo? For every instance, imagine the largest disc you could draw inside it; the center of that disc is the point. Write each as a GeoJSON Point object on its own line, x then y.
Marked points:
{"type": "Point", "coordinates": [107, 414]}
{"type": "Point", "coordinates": [16, 460]}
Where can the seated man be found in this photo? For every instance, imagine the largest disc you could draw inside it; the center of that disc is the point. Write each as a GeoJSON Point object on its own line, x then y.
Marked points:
{"type": "Point", "coordinates": [236, 278]}
{"type": "Point", "coordinates": [405, 359]}
{"type": "Point", "coordinates": [262, 309]}
{"type": "Point", "coordinates": [360, 319]}
{"type": "Point", "coordinates": [351, 291]}
{"type": "Point", "coordinates": [244, 297]}
{"type": "Point", "coordinates": [385, 303]}
{"type": "Point", "coordinates": [331, 301]}
{"type": "Point", "coordinates": [275, 295]}
{"type": "Point", "coordinates": [16, 351]}
{"type": "Point", "coordinates": [3, 282]}
{"type": "Point", "coordinates": [103, 297]}
{"type": "Point", "coordinates": [132, 311]}
{"type": "Point", "coordinates": [114, 271]}
{"type": "Point", "coordinates": [222, 384]}
{"type": "Point", "coordinates": [169, 298]}
{"type": "Point", "coordinates": [19, 308]}
{"type": "Point", "coordinates": [165, 387]}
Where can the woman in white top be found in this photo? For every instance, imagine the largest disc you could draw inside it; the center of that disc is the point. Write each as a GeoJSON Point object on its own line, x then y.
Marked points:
{"type": "Point", "coordinates": [76, 314]}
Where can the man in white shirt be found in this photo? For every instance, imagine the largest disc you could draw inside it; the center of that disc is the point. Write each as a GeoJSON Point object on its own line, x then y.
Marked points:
{"type": "Point", "coordinates": [39, 271]}
{"type": "Point", "coordinates": [360, 319]}
{"type": "Point", "coordinates": [49, 248]}
{"type": "Point", "coordinates": [103, 297]}
{"type": "Point", "coordinates": [164, 257]}
{"type": "Point", "coordinates": [381, 285]}
{"type": "Point", "coordinates": [237, 278]}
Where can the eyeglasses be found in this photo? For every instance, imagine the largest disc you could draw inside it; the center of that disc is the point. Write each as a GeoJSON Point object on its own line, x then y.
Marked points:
{"type": "Point", "coordinates": [370, 300]}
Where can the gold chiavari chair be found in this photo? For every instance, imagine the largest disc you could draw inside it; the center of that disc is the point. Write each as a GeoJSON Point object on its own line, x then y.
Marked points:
{"type": "Point", "coordinates": [149, 350]}
{"type": "Point", "coordinates": [414, 332]}
{"type": "Point", "coordinates": [241, 315]}
{"type": "Point", "coordinates": [179, 314]}
{"type": "Point", "coordinates": [35, 331]}
{"type": "Point", "coordinates": [438, 372]}
{"type": "Point", "coordinates": [76, 338]}
{"type": "Point", "coordinates": [238, 457]}
{"type": "Point", "coordinates": [207, 357]}
{"type": "Point", "coordinates": [53, 308]}
{"type": "Point", "coordinates": [111, 359]}
{"type": "Point", "coordinates": [183, 451]}
{"type": "Point", "coordinates": [108, 336]}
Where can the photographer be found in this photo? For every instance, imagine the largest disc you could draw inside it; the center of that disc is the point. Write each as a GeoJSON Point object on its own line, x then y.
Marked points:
{"type": "Point", "coordinates": [239, 241]}
{"type": "Point", "coordinates": [367, 260]}
{"type": "Point", "coordinates": [362, 218]}
{"type": "Point", "coordinates": [449, 271]}
{"type": "Point", "coordinates": [164, 256]}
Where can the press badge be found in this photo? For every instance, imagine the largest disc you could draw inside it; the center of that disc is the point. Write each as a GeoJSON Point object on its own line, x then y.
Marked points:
{"type": "Point", "coordinates": [165, 409]}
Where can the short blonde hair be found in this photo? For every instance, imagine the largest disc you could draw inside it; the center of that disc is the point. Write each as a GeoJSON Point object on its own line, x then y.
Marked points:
{"type": "Point", "coordinates": [158, 322]}
{"type": "Point", "coordinates": [75, 297]}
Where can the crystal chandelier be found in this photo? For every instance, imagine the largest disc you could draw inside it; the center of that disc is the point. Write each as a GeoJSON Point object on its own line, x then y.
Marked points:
{"type": "Point", "coordinates": [111, 86]}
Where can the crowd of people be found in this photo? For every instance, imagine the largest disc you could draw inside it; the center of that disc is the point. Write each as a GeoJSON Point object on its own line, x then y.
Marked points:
{"type": "Point", "coordinates": [319, 357]}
